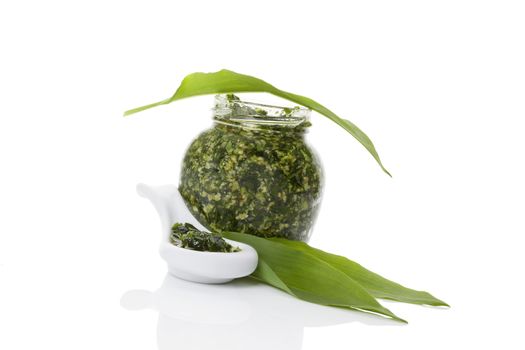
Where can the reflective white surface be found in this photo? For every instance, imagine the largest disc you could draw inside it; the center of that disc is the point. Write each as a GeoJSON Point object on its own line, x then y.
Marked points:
{"type": "Point", "coordinates": [231, 316]}
{"type": "Point", "coordinates": [437, 85]}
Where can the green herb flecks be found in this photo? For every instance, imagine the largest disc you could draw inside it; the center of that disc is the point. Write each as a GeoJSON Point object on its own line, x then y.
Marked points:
{"type": "Point", "coordinates": [226, 81]}
{"type": "Point", "coordinates": [263, 181]}
{"type": "Point", "coordinates": [189, 237]}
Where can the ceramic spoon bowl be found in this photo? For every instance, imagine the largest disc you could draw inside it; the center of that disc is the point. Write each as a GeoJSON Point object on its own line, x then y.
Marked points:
{"type": "Point", "coordinates": [192, 265]}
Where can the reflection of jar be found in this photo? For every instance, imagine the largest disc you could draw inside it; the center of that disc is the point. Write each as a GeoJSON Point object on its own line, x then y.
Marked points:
{"type": "Point", "coordinates": [252, 172]}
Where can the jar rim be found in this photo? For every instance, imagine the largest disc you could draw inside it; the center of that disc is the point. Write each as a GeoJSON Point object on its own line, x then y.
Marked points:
{"type": "Point", "coordinates": [230, 109]}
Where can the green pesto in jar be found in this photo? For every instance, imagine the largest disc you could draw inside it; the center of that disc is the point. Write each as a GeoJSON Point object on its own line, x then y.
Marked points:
{"type": "Point", "coordinates": [252, 172]}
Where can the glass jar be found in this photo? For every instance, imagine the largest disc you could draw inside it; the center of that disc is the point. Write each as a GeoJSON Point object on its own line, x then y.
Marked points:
{"type": "Point", "coordinates": [253, 172]}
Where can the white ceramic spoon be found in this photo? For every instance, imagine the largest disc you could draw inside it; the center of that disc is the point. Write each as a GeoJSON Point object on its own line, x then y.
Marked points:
{"type": "Point", "coordinates": [192, 265]}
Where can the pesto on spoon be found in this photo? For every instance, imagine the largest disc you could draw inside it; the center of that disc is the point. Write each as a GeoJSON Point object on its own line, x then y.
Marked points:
{"type": "Point", "coordinates": [189, 237]}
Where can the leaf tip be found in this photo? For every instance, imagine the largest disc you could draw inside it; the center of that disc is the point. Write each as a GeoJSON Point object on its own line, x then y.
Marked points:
{"type": "Point", "coordinates": [399, 319]}
{"type": "Point", "coordinates": [441, 303]}
{"type": "Point", "coordinates": [394, 317]}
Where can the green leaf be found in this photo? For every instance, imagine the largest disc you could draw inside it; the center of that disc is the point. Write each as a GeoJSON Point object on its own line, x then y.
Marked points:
{"type": "Point", "coordinates": [376, 285]}
{"type": "Point", "coordinates": [305, 276]}
{"type": "Point", "coordinates": [226, 81]}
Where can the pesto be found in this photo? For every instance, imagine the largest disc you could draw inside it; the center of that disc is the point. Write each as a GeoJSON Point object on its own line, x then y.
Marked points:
{"type": "Point", "coordinates": [252, 172]}
{"type": "Point", "coordinates": [189, 237]}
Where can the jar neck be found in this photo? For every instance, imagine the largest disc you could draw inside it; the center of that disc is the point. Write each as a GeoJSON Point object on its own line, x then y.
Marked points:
{"type": "Point", "coordinates": [230, 111]}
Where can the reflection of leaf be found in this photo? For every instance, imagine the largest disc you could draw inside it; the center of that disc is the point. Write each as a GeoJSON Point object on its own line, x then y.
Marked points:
{"type": "Point", "coordinates": [376, 285]}
{"type": "Point", "coordinates": [226, 81]}
{"type": "Point", "coordinates": [305, 276]}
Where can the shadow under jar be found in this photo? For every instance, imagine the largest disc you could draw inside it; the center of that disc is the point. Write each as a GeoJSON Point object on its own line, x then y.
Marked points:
{"type": "Point", "coordinates": [253, 172]}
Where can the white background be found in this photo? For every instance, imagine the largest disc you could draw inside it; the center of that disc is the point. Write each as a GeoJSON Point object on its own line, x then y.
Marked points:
{"type": "Point", "coordinates": [439, 86]}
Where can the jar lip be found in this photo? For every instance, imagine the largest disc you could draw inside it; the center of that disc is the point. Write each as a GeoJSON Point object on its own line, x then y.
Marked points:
{"type": "Point", "coordinates": [229, 108]}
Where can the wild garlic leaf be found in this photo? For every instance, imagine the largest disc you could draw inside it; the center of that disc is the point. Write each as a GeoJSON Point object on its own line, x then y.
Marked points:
{"type": "Point", "coordinates": [305, 276]}
{"type": "Point", "coordinates": [226, 81]}
{"type": "Point", "coordinates": [376, 285]}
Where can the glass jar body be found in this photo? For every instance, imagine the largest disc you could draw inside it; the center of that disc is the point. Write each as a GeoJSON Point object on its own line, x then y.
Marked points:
{"type": "Point", "coordinates": [261, 181]}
